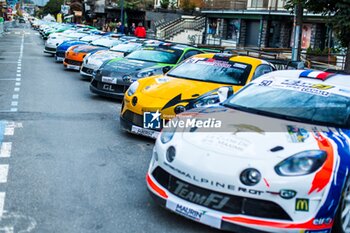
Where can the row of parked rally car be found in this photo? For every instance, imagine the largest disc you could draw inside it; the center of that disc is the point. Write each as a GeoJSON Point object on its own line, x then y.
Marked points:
{"type": "Point", "coordinates": [272, 157]}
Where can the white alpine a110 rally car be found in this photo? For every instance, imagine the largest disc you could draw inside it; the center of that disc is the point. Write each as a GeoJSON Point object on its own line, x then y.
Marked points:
{"type": "Point", "coordinates": [273, 157]}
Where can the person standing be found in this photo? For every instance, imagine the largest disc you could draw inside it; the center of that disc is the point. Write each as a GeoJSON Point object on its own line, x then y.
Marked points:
{"type": "Point", "coordinates": [140, 31]}
{"type": "Point", "coordinates": [132, 29]}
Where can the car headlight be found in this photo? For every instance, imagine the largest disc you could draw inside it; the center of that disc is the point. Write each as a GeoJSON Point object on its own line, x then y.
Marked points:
{"type": "Point", "coordinates": [133, 87]}
{"type": "Point", "coordinates": [207, 100]}
{"type": "Point", "coordinates": [145, 73]}
{"type": "Point", "coordinates": [167, 133]}
{"type": "Point", "coordinates": [302, 163]}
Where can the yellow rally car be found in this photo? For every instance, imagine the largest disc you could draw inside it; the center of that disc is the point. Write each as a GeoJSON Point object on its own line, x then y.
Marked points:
{"type": "Point", "coordinates": [150, 102]}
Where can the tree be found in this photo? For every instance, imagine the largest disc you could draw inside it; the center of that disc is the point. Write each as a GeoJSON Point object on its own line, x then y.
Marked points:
{"type": "Point", "coordinates": [164, 4]}
{"type": "Point", "coordinates": [53, 7]}
{"type": "Point", "coordinates": [338, 14]}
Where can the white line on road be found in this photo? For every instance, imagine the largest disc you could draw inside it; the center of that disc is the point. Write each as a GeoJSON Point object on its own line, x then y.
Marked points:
{"type": "Point", "coordinates": [17, 89]}
{"type": "Point", "coordinates": [18, 84]}
{"type": "Point", "coordinates": [7, 229]}
{"type": "Point", "coordinates": [2, 203]}
{"type": "Point", "coordinates": [9, 131]}
{"type": "Point", "coordinates": [15, 96]}
{"type": "Point", "coordinates": [8, 79]}
{"type": "Point", "coordinates": [14, 103]}
{"type": "Point", "coordinates": [18, 79]}
{"type": "Point", "coordinates": [4, 169]}
{"type": "Point", "coordinates": [5, 151]}
{"type": "Point", "coordinates": [19, 75]}
{"type": "Point", "coordinates": [13, 109]}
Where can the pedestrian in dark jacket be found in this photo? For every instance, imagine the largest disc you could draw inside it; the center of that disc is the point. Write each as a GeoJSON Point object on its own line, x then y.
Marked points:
{"type": "Point", "coordinates": [140, 31]}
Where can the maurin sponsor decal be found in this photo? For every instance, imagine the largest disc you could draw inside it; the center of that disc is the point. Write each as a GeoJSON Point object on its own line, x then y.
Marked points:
{"type": "Point", "coordinates": [189, 212]}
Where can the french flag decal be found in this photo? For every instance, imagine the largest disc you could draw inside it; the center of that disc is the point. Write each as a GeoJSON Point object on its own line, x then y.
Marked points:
{"type": "Point", "coordinates": [321, 75]}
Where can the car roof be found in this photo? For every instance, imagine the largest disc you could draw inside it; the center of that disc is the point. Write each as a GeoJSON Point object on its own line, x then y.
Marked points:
{"type": "Point", "coordinates": [231, 57]}
{"type": "Point", "coordinates": [312, 76]}
{"type": "Point", "coordinates": [169, 45]}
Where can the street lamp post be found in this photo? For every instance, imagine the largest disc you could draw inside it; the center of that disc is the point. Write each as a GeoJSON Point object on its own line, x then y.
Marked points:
{"type": "Point", "coordinates": [298, 18]}
{"type": "Point", "coordinates": [122, 15]}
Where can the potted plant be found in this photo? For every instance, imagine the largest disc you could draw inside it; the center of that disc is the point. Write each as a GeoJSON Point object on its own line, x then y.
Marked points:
{"type": "Point", "coordinates": [319, 55]}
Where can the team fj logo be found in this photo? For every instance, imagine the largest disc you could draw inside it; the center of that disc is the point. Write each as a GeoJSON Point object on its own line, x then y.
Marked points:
{"type": "Point", "coordinates": [151, 120]}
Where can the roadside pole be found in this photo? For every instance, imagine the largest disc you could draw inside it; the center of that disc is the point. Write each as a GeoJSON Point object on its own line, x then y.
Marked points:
{"type": "Point", "coordinates": [298, 21]}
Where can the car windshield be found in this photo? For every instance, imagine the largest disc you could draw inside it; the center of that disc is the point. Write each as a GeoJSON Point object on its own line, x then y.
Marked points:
{"type": "Point", "coordinates": [212, 70]}
{"type": "Point", "coordinates": [104, 42]}
{"type": "Point", "coordinates": [156, 55]}
{"type": "Point", "coordinates": [90, 38]}
{"type": "Point", "coordinates": [309, 103]}
{"type": "Point", "coordinates": [124, 48]}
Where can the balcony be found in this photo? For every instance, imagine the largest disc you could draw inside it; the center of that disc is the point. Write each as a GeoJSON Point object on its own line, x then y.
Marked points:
{"type": "Point", "coordinates": [272, 5]}
{"type": "Point", "coordinates": [225, 5]}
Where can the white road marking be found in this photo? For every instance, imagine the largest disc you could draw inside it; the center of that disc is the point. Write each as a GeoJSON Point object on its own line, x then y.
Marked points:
{"type": "Point", "coordinates": [8, 79]}
{"type": "Point", "coordinates": [13, 109]}
{"type": "Point", "coordinates": [14, 103]}
{"type": "Point", "coordinates": [9, 131]}
{"type": "Point", "coordinates": [18, 84]}
{"type": "Point", "coordinates": [18, 75]}
{"type": "Point", "coordinates": [18, 79]}
{"type": "Point", "coordinates": [17, 89]}
{"type": "Point", "coordinates": [2, 203]}
{"type": "Point", "coordinates": [5, 151]}
{"type": "Point", "coordinates": [4, 169]}
{"type": "Point", "coordinates": [15, 96]}
{"type": "Point", "coordinates": [18, 71]}
{"type": "Point", "coordinates": [17, 33]}
{"type": "Point", "coordinates": [19, 65]}
{"type": "Point", "coordinates": [7, 229]}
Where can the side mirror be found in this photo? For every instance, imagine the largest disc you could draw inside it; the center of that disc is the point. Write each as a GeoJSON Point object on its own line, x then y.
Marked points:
{"type": "Point", "coordinates": [224, 93]}
{"type": "Point", "coordinates": [166, 69]}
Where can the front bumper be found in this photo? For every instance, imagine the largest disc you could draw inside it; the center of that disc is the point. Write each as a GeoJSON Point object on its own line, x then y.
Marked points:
{"type": "Point", "coordinates": [86, 71]}
{"type": "Point", "coordinates": [60, 55]}
{"type": "Point", "coordinates": [107, 89]}
{"type": "Point", "coordinates": [104, 93]}
{"type": "Point", "coordinates": [72, 64]}
{"type": "Point", "coordinates": [50, 50]}
{"type": "Point", "coordinates": [137, 129]}
{"type": "Point", "coordinates": [224, 221]}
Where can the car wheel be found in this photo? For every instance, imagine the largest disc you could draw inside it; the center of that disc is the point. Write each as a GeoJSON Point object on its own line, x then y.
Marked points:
{"type": "Point", "coordinates": [342, 219]}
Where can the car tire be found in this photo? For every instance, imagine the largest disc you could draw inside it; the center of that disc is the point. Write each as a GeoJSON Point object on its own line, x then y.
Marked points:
{"type": "Point", "coordinates": [343, 212]}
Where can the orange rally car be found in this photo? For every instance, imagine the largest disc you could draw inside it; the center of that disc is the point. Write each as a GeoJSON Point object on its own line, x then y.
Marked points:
{"type": "Point", "coordinates": [75, 54]}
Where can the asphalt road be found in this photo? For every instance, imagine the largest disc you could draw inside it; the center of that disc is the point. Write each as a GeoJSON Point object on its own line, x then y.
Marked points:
{"type": "Point", "coordinates": [64, 164]}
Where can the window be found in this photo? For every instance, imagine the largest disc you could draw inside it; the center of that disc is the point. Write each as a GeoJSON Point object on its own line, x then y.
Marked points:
{"type": "Point", "coordinates": [262, 69]}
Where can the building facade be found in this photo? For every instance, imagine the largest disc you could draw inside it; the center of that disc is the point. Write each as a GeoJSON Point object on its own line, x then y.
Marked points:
{"type": "Point", "coordinates": [261, 24]}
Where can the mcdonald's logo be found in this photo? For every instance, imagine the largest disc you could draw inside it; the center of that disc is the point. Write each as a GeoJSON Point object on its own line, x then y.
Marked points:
{"type": "Point", "coordinates": [302, 204]}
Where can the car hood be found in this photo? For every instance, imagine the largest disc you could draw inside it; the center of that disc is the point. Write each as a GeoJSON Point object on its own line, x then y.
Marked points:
{"type": "Point", "coordinates": [116, 68]}
{"type": "Point", "coordinates": [165, 87]}
{"type": "Point", "coordinates": [100, 56]}
{"type": "Point", "coordinates": [65, 45]}
{"type": "Point", "coordinates": [248, 135]}
{"type": "Point", "coordinates": [87, 48]}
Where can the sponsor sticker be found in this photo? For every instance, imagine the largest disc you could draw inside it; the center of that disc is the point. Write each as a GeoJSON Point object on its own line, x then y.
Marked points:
{"type": "Point", "coordinates": [318, 231]}
{"type": "Point", "coordinates": [144, 132]}
{"type": "Point", "coordinates": [110, 80]}
{"type": "Point", "coordinates": [194, 213]}
{"type": "Point", "coordinates": [73, 67]}
{"type": "Point", "coordinates": [59, 58]}
{"type": "Point", "coordinates": [302, 204]}
{"type": "Point", "coordinates": [296, 134]}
